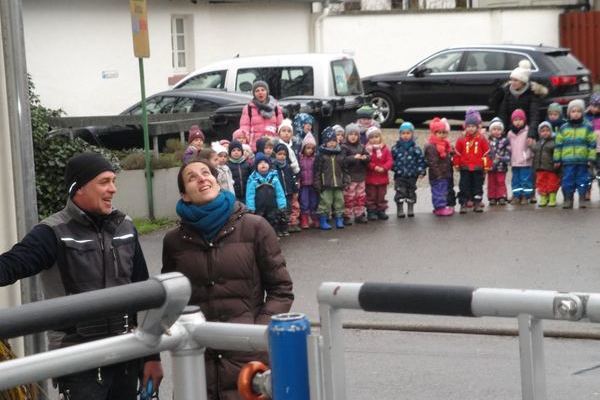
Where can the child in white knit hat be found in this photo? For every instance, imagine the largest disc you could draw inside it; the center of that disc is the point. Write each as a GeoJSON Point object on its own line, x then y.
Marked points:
{"type": "Point", "coordinates": [219, 160]}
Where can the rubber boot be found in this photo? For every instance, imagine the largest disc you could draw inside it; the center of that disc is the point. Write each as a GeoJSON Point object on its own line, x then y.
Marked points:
{"type": "Point", "coordinates": [348, 220]}
{"type": "Point", "coordinates": [410, 211]}
{"type": "Point", "coordinates": [568, 203]}
{"type": "Point", "coordinates": [543, 200]}
{"type": "Point", "coordinates": [382, 215]}
{"type": "Point", "coordinates": [315, 221]}
{"type": "Point", "coordinates": [477, 207]}
{"type": "Point", "coordinates": [372, 215]}
{"type": "Point", "coordinates": [400, 211]}
{"type": "Point", "coordinates": [304, 221]}
{"type": "Point", "coordinates": [323, 223]}
{"type": "Point", "coordinates": [339, 222]}
{"type": "Point", "coordinates": [552, 200]}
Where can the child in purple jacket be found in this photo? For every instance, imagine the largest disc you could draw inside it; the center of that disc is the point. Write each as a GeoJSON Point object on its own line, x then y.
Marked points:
{"type": "Point", "coordinates": [309, 199]}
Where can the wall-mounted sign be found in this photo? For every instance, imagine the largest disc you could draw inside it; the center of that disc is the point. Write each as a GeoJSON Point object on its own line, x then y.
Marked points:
{"type": "Point", "coordinates": [112, 74]}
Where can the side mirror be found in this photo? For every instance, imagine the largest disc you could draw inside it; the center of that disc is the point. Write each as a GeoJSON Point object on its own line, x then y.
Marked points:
{"type": "Point", "coordinates": [421, 71]}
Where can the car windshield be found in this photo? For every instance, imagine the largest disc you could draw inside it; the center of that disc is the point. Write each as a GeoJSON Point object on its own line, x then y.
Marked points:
{"type": "Point", "coordinates": [345, 78]}
{"type": "Point", "coordinates": [208, 80]}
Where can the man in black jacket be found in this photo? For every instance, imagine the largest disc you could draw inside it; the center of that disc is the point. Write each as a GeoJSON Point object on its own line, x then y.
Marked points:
{"type": "Point", "coordinates": [86, 246]}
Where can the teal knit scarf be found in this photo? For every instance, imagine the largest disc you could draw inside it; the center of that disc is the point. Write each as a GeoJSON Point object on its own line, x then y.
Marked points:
{"type": "Point", "coordinates": [207, 219]}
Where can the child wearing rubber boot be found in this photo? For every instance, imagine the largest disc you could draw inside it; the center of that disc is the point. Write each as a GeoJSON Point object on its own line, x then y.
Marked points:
{"type": "Point", "coordinates": [471, 159]}
{"type": "Point", "coordinates": [330, 180]}
{"type": "Point", "coordinates": [500, 157]}
{"type": "Point", "coordinates": [574, 152]}
{"type": "Point", "coordinates": [356, 159]}
{"type": "Point", "coordinates": [520, 158]}
{"type": "Point", "coordinates": [282, 165]}
{"type": "Point", "coordinates": [309, 198]}
{"type": "Point", "coordinates": [547, 180]}
{"type": "Point", "coordinates": [409, 165]}
{"type": "Point", "coordinates": [377, 174]}
{"type": "Point", "coordinates": [265, 195]}
{"type": "Point", "coordinates": [437, 155]}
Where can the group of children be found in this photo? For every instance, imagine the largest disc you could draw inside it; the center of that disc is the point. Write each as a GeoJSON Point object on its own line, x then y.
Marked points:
{"type": "Point", "coordinates": [296, 184]}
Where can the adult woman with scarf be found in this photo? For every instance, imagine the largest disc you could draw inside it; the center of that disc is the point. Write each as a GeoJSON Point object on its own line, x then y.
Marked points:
{"type": "Point", "coordinates": [234, 262]}
{"type": "Point", "coordinates": [520, 92]}
{"type": "Point", "coordinates": [262, 115]}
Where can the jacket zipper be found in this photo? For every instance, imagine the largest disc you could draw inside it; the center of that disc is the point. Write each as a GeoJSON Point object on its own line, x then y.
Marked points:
{"type": "Point", "coordinates": [242, 191]}
{"type": "Point", "coordinates": [114, 253]}
{"type": "Point", "coordinates": [333, 169]}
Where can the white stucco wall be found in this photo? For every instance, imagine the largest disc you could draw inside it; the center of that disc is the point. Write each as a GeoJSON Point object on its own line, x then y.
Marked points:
{"type": "Point", "coordinates": [69, 44]}
{"type": "Point", "coordinates": [395, 41]}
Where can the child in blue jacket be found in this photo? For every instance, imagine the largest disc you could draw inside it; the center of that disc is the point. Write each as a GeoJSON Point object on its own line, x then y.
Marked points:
{"type": "Point", "coordinates": [265, 195]}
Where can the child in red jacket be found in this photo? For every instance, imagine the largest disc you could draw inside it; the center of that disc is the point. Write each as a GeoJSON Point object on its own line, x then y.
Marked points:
{"type": "Point", "coordinates": [472, 160]}
{"type": "Point", "coordinates": [377, 174]}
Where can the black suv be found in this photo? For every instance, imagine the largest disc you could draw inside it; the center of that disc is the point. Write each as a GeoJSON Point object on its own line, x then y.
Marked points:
{"type": "Point", "coordinates": [452, 80]}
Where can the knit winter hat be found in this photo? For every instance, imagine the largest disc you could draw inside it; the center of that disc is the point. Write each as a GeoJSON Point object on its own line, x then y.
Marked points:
{"type": "Point", "coordinates": [372, 131]}
{"type": "Point", "coordinates": [328, 135]}
{"type": "Point", "coordinates": [300, 120]}
{"type": "Point", "coordinates": [235, 145]}
{"type": "Point", "coordinates": [84, 167]}
{"type": "Point", "coordinates": [595, 99]}
{"type": "Point", "coordinates": [555, 107]}
{"type": "Point", "coordinates": [577, 103]}
{"type": "Point", "coordinates": [218, 148]}
{"type": "Point", "coordinates": [365, 112]}
{"type": "Point", "coordinates": [308, 139]}
{"type": "Point", "coordinates": [496, 122]}
{"type": "Point", "coordinates": [406, 126]}
{"type": "Point", "coordinates": [518, 114]}
{"type": "Point", "coordinates": [351, 128]}
{"type": "Point", "coordinates": [437, 125]}
{"type": "Point", "coordinates": [472, 117]}
{"type": "Point", "coordinates": [446, 123]}
{"type": "Point", "coordinates": [286, 123]}
{"type": "Point", "coordinates": [261, 157]}
{"type": "Point", "coordinates": [195, 133]}
{"type": "Point", "coordinates": [337, 128]}
{"type": "Point", "coordinates": [522, 72]}
{"type": "Point", "coordinates": [238, 134]}
{"type": "Point", "coordinates": [258, 84]}
{"type": "Point", "coordinates": [544, 124]}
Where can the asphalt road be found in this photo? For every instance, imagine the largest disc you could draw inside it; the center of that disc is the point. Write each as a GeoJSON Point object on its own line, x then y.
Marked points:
{"type": "Point", "coordinates": [505, 247]}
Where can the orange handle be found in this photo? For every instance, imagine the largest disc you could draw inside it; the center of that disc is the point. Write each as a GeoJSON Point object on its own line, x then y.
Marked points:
{"type": "Point", "coordinates": [245, 378]}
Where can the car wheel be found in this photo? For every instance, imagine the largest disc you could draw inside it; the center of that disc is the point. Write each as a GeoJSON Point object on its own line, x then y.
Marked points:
{"type": "Point", "coordinates": [385, 113]}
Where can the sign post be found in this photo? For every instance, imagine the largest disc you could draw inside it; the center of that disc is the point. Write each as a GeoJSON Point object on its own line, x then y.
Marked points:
{"type": "Point", "coordinates": [141, 50]}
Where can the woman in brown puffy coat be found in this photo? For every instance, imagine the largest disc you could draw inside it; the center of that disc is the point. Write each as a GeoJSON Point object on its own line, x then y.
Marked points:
{"type": "Point", "coordinates": [234, 263]}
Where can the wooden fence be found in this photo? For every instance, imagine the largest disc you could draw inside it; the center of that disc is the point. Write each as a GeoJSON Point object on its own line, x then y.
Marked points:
{"type": "Point", "coordinates": [580, 31]}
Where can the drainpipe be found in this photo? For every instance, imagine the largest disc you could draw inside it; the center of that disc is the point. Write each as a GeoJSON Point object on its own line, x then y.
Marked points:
{"type": "Point", "coordinates": [319, 26]}
{"type": "Point", "coordinates": [21, 143]}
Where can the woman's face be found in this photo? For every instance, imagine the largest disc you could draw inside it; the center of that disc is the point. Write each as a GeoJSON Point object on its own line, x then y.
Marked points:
{"type": "Point", "coordinates": [261, 94]}
{"type": "Point", "coordinates": [200, 184]}
{"type": "Point", "coordinates": [516, 84]}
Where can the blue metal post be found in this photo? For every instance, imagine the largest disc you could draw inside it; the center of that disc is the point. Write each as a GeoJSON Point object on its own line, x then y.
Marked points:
{"type": "Point", "coordinates": [289, 357]}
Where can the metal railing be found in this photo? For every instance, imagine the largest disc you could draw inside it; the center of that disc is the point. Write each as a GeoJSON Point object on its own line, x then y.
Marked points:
{"type": "Point", "coordinates": [530, 307]}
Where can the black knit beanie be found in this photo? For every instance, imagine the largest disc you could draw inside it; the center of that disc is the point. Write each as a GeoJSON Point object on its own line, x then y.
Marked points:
{"type": "Point", "coordinates": [82, 168]}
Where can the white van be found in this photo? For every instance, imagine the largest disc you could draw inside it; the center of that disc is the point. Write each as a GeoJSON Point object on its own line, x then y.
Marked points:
{"type": "Point", "coordinates": [314, 75]}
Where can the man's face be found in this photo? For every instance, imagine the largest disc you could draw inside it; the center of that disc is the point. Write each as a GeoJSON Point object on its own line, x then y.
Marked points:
{"type": "Point", "coordinates": [96, 195]}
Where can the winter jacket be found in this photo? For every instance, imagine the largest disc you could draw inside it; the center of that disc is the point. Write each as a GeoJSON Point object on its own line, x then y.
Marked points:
{"type": "Point", "coordinates": [384, 160]}
{"type": "Point", "coordinates": [543, 155]}
{"type": "Point", "coordinates": [286, 178]}
{"type": "Point", "coordinates": [306, 176]}
{"type": "Point", "coordinates": [528, 101]}
{"type": "Point", "coordinates": [256, 180]}
{"type": "Point", "coordinates": [439, 168]}
{"type": "Point", "coordinates": [472, 153]}
{"type": "Point", "coordinates": [190, 153]}
{"type": "Point", "coordinates": [330, 170]}
{"type": "Point", "coordinates": [520, 154]}
{"type": "Point", "coordinates": [230, 277]}
{"type": "Point", "coordinates": [252, 122]}
{"type": "Point", "coordinates": [357, 169]}
{"type": "Point", "coordinates": [594, 120]}
{"type": "Point", "coordinates": [500, 151]}
{"type": "Point", "coordinates": [225, 178]}
{"type": "Point", "coordinates": [575, 143]}
{"type": "Point", "coordinates": [240, 171]}
{"type": "Point", "coordinates": [409, 161]}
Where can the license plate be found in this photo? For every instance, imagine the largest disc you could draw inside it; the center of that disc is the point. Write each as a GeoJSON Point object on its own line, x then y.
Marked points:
{"type": "Point", "coordinates": [584, 87]}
